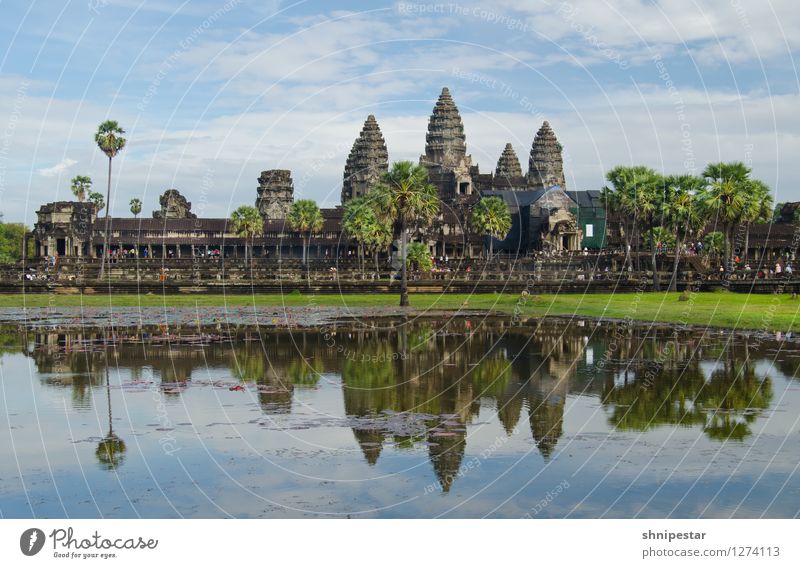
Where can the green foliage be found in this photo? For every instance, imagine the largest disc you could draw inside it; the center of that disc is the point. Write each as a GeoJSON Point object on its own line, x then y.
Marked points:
{"type": "Point", "coordinates": [12, 236]}
{"type": "Point", "coordinates": [136, 206]}
{"type": "Point", "coordinates": [81, 186]}
{"type": "Point", "coordinates": [362, 222]}
{"type": "Point", "coordinates": [404, 195]}
{"type": "Point", "coordinates": [491, 217]}
{"type": "Point", "coordinates": [247, 222]}
{"type": "Point", "coordinates": [109, 138]}
{"type": "Point", "coordinates": [419, 257]}
{"type": "Point", "coordinates": [659, 236]}
{"type": "Point", "coordinates": [304, 216]}
{"type": "Point", "coordinates": [98, 200]}
{"type": "Point", "coordinates": [713, 243]}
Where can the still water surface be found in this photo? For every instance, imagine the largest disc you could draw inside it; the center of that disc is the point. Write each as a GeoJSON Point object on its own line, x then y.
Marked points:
{"type": "Point", "coordinates": [423, 419]}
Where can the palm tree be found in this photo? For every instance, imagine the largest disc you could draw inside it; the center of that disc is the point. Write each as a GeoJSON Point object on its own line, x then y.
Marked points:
{"type": "Point", "coordinates": [306, 218]}
{"type": "Point", "coordinates": [81, 186]}
{"type": "Point", "coordinates": [419, 256]}
{"type": "Point", "coordinates": [683, 213]}
{"type": "Point", "coordinates": [98, 200]}
{"type": "Point", "coordinates": [357, 220]}
{"type": "Point", "coordinates": [109, 139]}
{"type": "Point", "coordinates": [404, 197]}
{"type": "Point", "coordinates": [714, 244]}
{"type": "Point", "coordinates": [757, 208]}
{"type": "Point", "coordinates": [630, 198]}
{"type": "Point", "coordinates": [247, 224]}
{"type": "Point", "coordinates": [379, 237]}
{"type": "Point", "coordinates": [725, 197]}
{"type": "Point", "coordinates": [136, 206]}
{"type": "Point", "coordinates": [491, 217]}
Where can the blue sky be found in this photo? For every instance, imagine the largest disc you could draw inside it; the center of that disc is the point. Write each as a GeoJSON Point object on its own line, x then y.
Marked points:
{"type": "Point", "coordinates": [213, 92]}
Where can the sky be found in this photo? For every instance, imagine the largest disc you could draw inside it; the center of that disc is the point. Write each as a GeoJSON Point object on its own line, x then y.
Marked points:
{"type": "Point", "coordinates": [213, 92]}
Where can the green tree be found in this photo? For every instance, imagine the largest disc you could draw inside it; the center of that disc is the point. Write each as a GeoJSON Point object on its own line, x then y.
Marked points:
{"type": "Point", "coordinates": [306, 218]}
{"type": "Point", "coordinates": [419, 257]}
{"type": "Point", "coordinates": [379, 238]}
{"type": "Point", "coordinates": [724, 198]}
{"type": "Point", "coordinates": [714, 244]}
{"type": "Point", "coordinates": [362, 222]}
{"type": "Point", "coordinates": [683, 214]}
{"type": "Point", "coordinates": [136, 206]}
{"type": "Point", "coordinates": [12, 237]}
{"type": "Point", "coordinates": [110, 141]}
{"type": "Point", "coordinates": [357, 221]}
{"type": "Point", "coordinates": [405, 198]}
{"type": "Point", "coordinates": [81, 186]}
{"type": "Point", "coordinates": [758, 206]}
{"type": "Point", "coordinates": [247, 224]}
{"type": "Point", "coordinates": [491, 217]}
{"type": "Point", "coordinates": [630, 197]}
{"type": "Point", "coordinates": [98, 200]}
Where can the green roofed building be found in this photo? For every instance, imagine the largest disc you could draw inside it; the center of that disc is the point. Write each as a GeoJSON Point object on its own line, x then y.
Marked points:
{"type": "Point", "coordinates": [590, 213]}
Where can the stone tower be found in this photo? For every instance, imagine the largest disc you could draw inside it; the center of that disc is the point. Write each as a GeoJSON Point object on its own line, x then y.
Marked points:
{"type": "Point", "coordinates": [508, 165]}
{"type": "Point", "coordinates": [546, 167]}
{"type": "Point", "coordinates": [445, 143]}
{"type": "Point", "coordinates": [449, 166]}
{"type": "Point", "coordinates": [275, 193]}
{"type": "Point", "coordinates": [367, 162]}
{"type": "Point", "coordinates": [173, 206]}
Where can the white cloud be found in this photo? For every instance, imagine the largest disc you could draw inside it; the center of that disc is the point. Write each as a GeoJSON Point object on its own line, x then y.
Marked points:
{"type": "Point", "coordinates": [53, 171]}
{"type": "Point", "coordinates": [713, 31]}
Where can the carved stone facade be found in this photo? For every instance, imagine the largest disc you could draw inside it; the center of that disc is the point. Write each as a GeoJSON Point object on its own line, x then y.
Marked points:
{"type": "Point", "coordinates": [275, 194]}
{"type": "Point", "coordinates": [64, 228]}
{"type": "Point", "coordinates": [546, 166]}
{"type": "Point", "coordinates": [174, 206]}
{"type": "Point", "coordinates": [367, 162]}
{"type": "Point", "coordinates": [542, 209]}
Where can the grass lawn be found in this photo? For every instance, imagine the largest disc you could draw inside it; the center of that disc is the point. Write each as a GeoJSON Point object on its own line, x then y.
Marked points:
{"type": "Point", "coordinates": [718, 309]}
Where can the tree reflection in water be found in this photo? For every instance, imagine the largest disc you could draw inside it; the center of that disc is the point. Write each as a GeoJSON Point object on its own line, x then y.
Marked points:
{"type": "Point", "coordinates": [421, 385]}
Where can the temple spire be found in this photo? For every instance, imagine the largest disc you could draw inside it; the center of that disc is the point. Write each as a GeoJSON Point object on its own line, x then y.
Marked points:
{"type": "Point", "coordinates": [367, 162]}
{"type": "Point", "coordinates": [508, 165]}
{"type": "Point", "coordinates": [546, 167]}
{"type": "Point", "coordinates": [445, 143]}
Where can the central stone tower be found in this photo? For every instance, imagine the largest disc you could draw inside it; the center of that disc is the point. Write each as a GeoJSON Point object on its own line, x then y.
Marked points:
{"type": "Point", "coordinates": [446, 150]}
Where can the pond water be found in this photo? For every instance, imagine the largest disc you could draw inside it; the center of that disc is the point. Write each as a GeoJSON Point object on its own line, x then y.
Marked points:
{"type": "Point", "coordinates": [462, 417]}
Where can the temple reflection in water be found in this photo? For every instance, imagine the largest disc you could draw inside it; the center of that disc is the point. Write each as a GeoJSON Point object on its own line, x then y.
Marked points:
{"type": "Point", "coordinates": [424, 384]}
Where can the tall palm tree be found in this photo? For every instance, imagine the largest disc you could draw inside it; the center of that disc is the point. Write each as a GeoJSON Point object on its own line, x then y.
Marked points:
{"type": "Point", "coordinates": [684, 215]}
{"type": "Point", "coordinates": [629, 196]}
{"type": "Point", "coordinates": [725, 197]}
{"type": "Point", "coordinates": [362, 222]}
{"type": "Point", "coordinates": [109, 139]}
{"type": "Point", "coordinates": [491, 217]}
{"type": "Point", "coordinates": [247, 224]}
{"type": "Point", "coordinates": [405, 198]}
{"type": "Point", "coordinates": [306, 218]}
{"type": "Point", "coordinates": [136, 206]}
{"type": "Point", "coordinates": [758, 204]}
{"type": "Point", "coordinates": [356, 222]}
{"type": "Point", "coordinates": [379, 236]}
{"type": "Point", "coordinates": [81, 186]}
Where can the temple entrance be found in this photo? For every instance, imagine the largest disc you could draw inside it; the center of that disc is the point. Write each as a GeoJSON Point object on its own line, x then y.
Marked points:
{"type": "Point", "coordinates": [61, 247]}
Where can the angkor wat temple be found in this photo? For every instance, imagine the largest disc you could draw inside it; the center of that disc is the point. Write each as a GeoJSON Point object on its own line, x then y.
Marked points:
{"type": "Point", "coordinates": [545, 215]}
